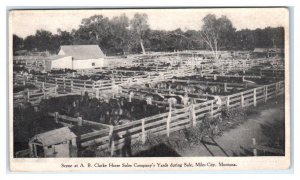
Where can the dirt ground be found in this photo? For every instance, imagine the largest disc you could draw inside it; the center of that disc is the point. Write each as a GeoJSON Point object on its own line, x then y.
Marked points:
{"type": "Point", "coordinates": [265, 125]}
{"type": "Point", "coordinates": [237, 142]}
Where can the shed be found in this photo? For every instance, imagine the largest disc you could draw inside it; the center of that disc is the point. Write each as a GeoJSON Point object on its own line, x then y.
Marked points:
{"type": "Point", "coordinates": [54, 143]}
{"type": "Point", "coordinates": [268, 52]}
{"type": "Point", "coordinates": [78, 57]}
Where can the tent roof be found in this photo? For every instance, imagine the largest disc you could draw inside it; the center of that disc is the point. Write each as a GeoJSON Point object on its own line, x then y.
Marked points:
{"type": "Point", "coordinates": [82, 52]}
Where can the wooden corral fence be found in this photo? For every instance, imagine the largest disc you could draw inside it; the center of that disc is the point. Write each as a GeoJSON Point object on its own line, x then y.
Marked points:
{"type": "Point", "coordinates": [100, 136]}
{"type": "Point", "coordinates": [30, 62]}
{"type": "Point", "coordinates": [194, 97]}
{"type": "Point", "coordinates": [215, 76]}
{"type": "Point", "coordinates": [238, 65]}
{"type": "Point", "coordinates": [162, 124]}
{"type": "Point", "coordinates": [224, 86]}
{"type": "Point", "coordinates": [21, 79]}
{"type": "Point", "coordinates": [76, 86]}
{"type": "Point", "coordinates": [114, 138]}
{"type": "Point", "coordinates": [255, 95]}
{"type": "Point", "coordinates": [33, 96]}
{"type": "Point", "coordinates": [154, 102]}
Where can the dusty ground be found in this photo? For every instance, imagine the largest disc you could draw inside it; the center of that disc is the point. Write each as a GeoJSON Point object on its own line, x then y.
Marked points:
{"type": "Point", "coordinates": [266, 125]}
{"type": "Point", "coordinates": [237, 142]}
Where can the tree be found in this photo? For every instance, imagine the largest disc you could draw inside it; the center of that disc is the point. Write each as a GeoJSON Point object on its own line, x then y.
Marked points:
{"type": "Point", "coordinates": [217, 33]}
{"type": "Point", "coordinates": [139, 25]}
{"type": "Point", "coordinates": [120, 33]}
{"type": "Point", "coordinates": [18, 43]}
{"type": "Point", "coordinates": [44, 40]}
{"type": "Point", "coordinates": [93, 30]}
{"type": "Point", "coordinates": [64, 37]}
{"type": "Point", "coordinates": [30, 43]}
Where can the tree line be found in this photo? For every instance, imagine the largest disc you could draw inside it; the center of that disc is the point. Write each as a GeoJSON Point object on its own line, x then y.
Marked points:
{"type": "Point", "coordinates": [121, 35]}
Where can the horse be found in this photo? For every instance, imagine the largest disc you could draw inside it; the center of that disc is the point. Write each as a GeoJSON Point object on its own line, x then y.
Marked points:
{"type": "Point", "coordinates": [120, 115]}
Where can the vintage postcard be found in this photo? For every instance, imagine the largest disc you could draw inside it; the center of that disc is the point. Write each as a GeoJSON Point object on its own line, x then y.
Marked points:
{"type": "Point", "coordinates": [188, 89]}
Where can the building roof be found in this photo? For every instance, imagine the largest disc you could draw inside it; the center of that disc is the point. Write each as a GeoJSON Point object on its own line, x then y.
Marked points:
{"type": "Point", "coordinates": [55, 136]}
{"type": "Point", "coordinates": [260, 50]}
{"type": "Point", "coordinates": [82, 52]}
{"type": "Point", "coordinates": [55, 57]}
{"type": "Point", "coordinates": [265, 50]}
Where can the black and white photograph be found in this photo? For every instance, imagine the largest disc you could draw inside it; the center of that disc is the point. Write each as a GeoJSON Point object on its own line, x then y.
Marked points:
{"type": "Point", "coordinates": [148, 84]}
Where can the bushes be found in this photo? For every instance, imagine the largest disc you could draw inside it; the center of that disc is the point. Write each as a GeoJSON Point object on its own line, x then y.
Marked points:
{"type": "Point", "coordinates": [195, 134]}
{"type": "Point", "coordinates": [208, 127]}
{"type": "Point", "coordinates": [230, 118]}
{"type": "Point", "coordinates": [232, 114]}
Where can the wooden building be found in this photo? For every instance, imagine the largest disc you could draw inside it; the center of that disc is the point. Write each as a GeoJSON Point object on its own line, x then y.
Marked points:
{"type": "Point", "coordinates": [55, 143]}
{"type": "Point", "coordinates": [78, 57]}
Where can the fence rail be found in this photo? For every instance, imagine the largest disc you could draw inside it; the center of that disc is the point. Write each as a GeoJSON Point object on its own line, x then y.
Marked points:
{"type": "Point", "coordinates": [33, 96]}
{"type": "Point", "coordinates": [113, 138]}
{"type": "Point", "coordinates": [255, 95]}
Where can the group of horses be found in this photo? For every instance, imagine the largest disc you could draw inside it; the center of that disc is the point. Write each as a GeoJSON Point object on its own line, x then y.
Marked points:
{"type": "Point", "coordinates": [113, 111]}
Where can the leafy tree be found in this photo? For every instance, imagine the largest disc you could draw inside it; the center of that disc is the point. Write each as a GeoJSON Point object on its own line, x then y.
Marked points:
{"type": "Point", "coordinates": [217, 33]}
{"type": "Point", "coordinates": [44, 40]}
{"type": "Point", "coordinates": [30, 43]}
{"type": "Point", "coordinates": [139, 26]}
{"type": "Point", "coordinates": [93, 30]}
{"type": "Point", "coordinates": [64, 37]}
{"type": "Point", "coordinates": [18, 43]}
{"type": "Point", "coordinates": [120, 35]}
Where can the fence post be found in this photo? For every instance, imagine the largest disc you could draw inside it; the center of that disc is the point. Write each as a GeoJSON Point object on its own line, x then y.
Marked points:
{"type": "Point", "coordinates": [212, 108]}
{"type": "Point", "coordinates": [225, 87]}
{"type": "Point", "coordinates": [143, 132]}
{"type": "Point", "coordinates": [112, 142]}
{"type": "Point", "coordinates": [215, 77]}
{"type": "Point", "coordinates": [276, 90]}
{"type": "Point", "coordinates": [97, 93]}
{"type": "Point", "coordinates": [71, 84]}
{"type": "Point", "coordinates": [79, 122]}
{"type": "Point", "coordinates": [169, 120]}
{"type": "Point", "coordinates": [64, 84]}
{"type": "Point", "coordinates": [266, 93]}
{"type": "Point", "coordinates": [242, 99]}
{"type": "Point", "coordinates": [254, 147]}
{"type": "Point", "coordinates": [254, 97]}
{"type": "Point", "coordinates": [55, 89]}
{"type": "Point", "coordinates": [24, 81]}
{"type": "Point", "coordinates": [28, 95]}
{"type": "Point", "coordinates": [43, 89]}
{"type": "Point", "coordinates": [56, 117]}
{"type": "Point", "coordinates": [193, 115]}
{"type": "Point", "coordinates": [228, 102]}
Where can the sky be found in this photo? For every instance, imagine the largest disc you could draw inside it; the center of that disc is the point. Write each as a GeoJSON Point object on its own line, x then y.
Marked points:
{"type": "Point", "coordinates": [24, 23]}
